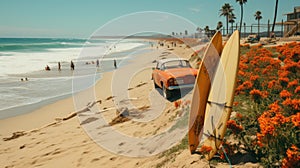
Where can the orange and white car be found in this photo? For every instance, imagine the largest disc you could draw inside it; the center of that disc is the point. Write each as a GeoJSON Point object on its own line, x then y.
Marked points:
{"type": "Point", "coordinates": [173, 74]}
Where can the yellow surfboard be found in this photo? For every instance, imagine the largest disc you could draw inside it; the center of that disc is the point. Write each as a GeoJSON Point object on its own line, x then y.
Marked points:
{"type": "Point", "coordinates": [205, 74]}
{"type": "Point", "coordinates": [220, 99]}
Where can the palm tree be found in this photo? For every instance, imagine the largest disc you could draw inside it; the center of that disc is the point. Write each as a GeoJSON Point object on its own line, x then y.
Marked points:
{"type": "Point", "coordinates": [241, 2]}
{"type": "Point", "coordinates": [231, 20]}
{"type": "Point", "coordinates": [258, 16]}
{"type": "Point", "coordinates": [226, 10]}
{"type": "Point", "coordinates": [275, 15]}
{"type": "Point", "coordinates": [219, 25]}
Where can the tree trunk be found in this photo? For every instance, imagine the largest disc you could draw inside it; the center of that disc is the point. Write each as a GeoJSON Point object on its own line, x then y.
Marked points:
{"type": "Point", "coordinates": [258, 28]}
{"type": "Point", "coordinates": [275, 15]}
{"type": "Point", "coordinates": [241, 21]}
{"type": "Point", "coordinates": [227, 25]}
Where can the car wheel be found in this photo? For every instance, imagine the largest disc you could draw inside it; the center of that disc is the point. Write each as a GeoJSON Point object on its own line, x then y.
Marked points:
{"type": "Point", "coordinates": [155, 85]}
{"type": "Point", "coordinates": [166, 93]}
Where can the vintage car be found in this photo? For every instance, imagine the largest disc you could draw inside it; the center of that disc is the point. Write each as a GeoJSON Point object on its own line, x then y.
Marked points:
{"type": "Point", "coordinates": [173, 74]}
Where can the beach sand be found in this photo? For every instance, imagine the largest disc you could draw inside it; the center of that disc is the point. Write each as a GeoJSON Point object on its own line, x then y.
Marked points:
{"type": "Point", "coordinates": [52, 137]}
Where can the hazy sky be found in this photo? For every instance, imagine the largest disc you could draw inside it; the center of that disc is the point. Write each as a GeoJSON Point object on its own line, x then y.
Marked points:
{"type": "Point", "coordinates": [80, 18]}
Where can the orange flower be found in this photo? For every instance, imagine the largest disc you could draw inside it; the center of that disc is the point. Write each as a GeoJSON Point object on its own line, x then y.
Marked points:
{"type": "Point", "coordinates": [271, 84]}
{"type": "Point", "coordinates": [248, 84]}
{"type": "Point", "coordinates": [177, 103]}
{"type": "Point", "coordinates": [294, 103]}
{"type": "Point", "coordinates": [297, 90]}
{"type": "Point", "coordinates": [239, 115]}
{"type": "Point", "coordinates": [265, 124]}
{"type": "Point", "coordinates": [243, 66]}
{"type": "Point", "coordinates": [259, 139]}
{"type": "Point", "coordinates": [254, 77]}
{"type": "Point", "coordinates": [274, 107]}
{"type": "Point", "coordinates": [258, 94]}
{"type": "Point", "coordinates": [293, 83]}
{"type": "Point", "coordinates": [293, 157]}
{"type": "Point", "coordinates": [296, 119]}
{"type": "Point", "coordinates": [235, 103]}
{"type": "Point", "coordinates": [285, 94]}
{"type": "Point", "coordinates": [231, 124]}
{"type": "Point", "coordinates": [241, 73]}
{"type": "Point", "coordinates": [283, 74]}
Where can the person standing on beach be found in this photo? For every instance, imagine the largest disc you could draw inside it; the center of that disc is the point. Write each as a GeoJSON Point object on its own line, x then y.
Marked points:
{"type": "Point", "coordinates": [97, 63]}
{"type": "Point", "coordinates": [72, 65]}
{"type": "Point", "coordinates": [59, 66]}
{"type": "Point", "coordinates": [115, 63]}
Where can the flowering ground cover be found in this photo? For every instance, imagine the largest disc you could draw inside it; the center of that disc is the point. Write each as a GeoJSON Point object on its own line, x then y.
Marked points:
{"type": "Point", "coordinates": [267, 105]}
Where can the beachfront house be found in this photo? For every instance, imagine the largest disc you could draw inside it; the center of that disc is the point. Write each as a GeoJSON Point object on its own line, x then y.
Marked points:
{"type": "Point", "coordinates": [292, 23]}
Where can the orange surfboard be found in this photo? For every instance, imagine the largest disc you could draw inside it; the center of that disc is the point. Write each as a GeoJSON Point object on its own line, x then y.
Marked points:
{"type": "Point", "coordinates": [220, 99]}
{"type": "Point", "coordinates": [201, 90]}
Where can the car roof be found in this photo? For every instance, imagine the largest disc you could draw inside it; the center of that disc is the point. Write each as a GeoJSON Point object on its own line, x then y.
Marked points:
{"type": "Point", "coordinates": [162, 61]}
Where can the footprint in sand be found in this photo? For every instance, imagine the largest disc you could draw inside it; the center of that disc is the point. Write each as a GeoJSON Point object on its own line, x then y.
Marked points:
{"type": "Point", "coordinates": [56, 152]}
{"type": "Point", "coordinates": [46, 154]}
{"type": "Point", "coordinates": [21, 147]}
{"type": "Point", "coordinates": [95, 160]}
{"type": "Point", "coordinates": [113, 158]}
{"type": "Point", "coordinates": [85, 152]}
{"type": "Point", "coordinates": [122, 143]}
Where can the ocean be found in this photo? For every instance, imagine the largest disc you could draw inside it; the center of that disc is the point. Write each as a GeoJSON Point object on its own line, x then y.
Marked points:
{"type": "Point", "coordinates": [24, 83]}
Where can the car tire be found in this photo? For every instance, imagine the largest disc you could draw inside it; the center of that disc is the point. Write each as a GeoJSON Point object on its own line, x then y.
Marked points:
{"type": "Point", "coordinates": [155, 85]}
{"type": "Point", "coordinates": [166, 93]}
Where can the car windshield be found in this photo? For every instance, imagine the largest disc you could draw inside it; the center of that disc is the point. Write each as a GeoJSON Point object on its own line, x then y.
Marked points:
{"type": "Point", "coordinates": [176, 64]}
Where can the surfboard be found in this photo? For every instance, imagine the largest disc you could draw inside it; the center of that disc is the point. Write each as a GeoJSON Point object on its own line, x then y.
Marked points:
{"type": "Point", "coordinates": [220, 99]}
{"type": "Point", "coordinates": [201, 89]}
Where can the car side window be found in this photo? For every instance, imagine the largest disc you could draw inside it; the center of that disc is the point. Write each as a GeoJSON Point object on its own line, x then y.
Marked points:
{"type": "Point", "coordinates": [185, 64]}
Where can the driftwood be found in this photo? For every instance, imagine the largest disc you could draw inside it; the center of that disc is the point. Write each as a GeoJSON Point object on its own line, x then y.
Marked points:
{"type": "Point", "coordinates": [87, 108]}
{"type": "Point", "coordinates": [18, 134]}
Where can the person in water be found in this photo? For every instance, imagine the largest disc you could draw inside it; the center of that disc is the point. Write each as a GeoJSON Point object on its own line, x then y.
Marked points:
{"type": "Point", "coordinates": [72, 65]}
{"type": "Point", "coordinates": [97, 63]}
{"type": "Point", "coordinates": [47, 68]}
{"type": "Point", "coordinates": [59, 66]}
{"type": "Point", "coordinates": [115, 63]}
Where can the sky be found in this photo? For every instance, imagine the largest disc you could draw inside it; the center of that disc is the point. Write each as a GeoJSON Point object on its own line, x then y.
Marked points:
{"type": "Point", "coordinates": [82, 18]}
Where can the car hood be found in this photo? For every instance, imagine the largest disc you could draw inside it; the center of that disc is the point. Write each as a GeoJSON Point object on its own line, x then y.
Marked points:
{"type": "Point", "coordinates": [181, 72]}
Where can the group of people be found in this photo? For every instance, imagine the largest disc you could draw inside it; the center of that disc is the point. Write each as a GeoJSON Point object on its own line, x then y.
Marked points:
{"type": "Point", "coordinates": [24, 79]}
{"type": "Point", "coordinates": [72, 65]}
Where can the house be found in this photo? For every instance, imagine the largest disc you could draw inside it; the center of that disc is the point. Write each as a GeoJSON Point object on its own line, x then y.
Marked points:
{"type": "Point", "coordinates": [292, 23]}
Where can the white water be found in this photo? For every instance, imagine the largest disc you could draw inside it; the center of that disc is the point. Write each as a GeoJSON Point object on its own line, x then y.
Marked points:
{"type": "Point", "coordinates": [43, 85]}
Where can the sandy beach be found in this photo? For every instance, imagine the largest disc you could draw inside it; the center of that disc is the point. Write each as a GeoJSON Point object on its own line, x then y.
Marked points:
{"type": "Point", "coordinates": [48, 138]}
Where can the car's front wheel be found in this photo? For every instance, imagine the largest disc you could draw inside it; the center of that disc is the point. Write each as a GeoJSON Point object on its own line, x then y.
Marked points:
{"type": "Point", "coordinates": [155, 85]}
{"type": "Point", "coordinates": [166, 92]}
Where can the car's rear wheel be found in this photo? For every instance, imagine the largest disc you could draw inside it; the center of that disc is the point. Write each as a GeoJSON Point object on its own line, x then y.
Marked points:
{"type": "Point", "coordinates": [166, 93]}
